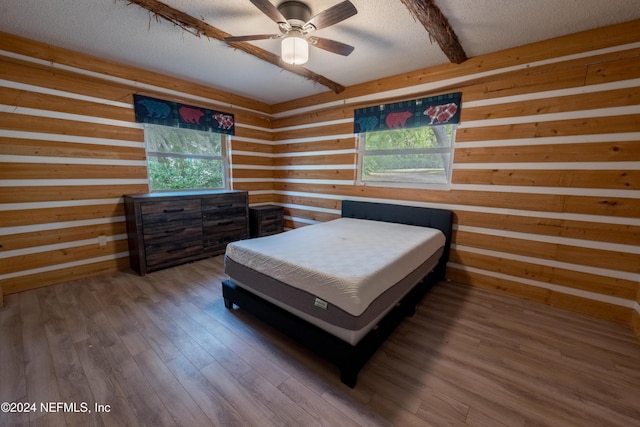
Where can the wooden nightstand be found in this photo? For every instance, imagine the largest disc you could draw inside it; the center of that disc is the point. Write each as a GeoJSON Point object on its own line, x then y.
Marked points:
{"type": "Point", "coordinates": [266, 220]}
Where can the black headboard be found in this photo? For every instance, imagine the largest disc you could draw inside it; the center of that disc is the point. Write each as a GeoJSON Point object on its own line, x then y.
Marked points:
{"type": "Point", "coordinates": [441, 219]}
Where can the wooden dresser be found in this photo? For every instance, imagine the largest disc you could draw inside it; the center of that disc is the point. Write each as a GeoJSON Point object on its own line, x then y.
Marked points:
{"type": "Point", "coordinates": [167, 229]}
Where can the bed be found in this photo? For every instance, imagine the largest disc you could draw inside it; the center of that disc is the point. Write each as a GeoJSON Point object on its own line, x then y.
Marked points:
{"type": "Point", "coordinates": [341, 287]}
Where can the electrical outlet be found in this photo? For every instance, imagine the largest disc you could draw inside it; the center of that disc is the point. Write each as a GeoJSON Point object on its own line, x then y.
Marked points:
{"type": "Point", "coordinates": [102, 240]}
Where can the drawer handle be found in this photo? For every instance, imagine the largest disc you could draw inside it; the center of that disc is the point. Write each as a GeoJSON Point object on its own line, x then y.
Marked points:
{"type": "Point", "coordinates": [226, 223]}
{"type": "Point", "coordinates": [173, 210]}
{"type": "Point", "coordinates": [226, 205]}
{"type": "Point", "coordinates": [268, 218]}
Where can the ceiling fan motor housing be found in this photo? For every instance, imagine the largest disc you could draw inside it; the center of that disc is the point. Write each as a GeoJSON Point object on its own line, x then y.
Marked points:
{"type": "Point", "coordinates": [297, 13]}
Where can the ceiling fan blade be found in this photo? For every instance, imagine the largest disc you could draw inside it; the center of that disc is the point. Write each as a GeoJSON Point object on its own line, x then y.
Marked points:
{"type": "Point", "coordinates": [333, 15]}
{"type": "Point", "coordinates": [270, 10]}
{"type": "Point", "coordinates": [331, 46]}
{"type": "Point", "coordinates": [250, 38]}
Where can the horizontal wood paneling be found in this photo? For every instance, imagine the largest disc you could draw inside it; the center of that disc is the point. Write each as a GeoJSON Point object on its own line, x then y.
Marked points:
{"type": "Point", "coordinates": [240, 159]}
{"type": "Point", "coordinates": [81, 191]}
{"type": "Point", "coordinates": [34, 147]}
{"type": "Point", "coordinates": [609, 206]}
{"type": "Point", "coordinates": [317, 116]}
{"type": "Point", "coordinates": [40, 101]}
{"type": "Point", "coordinates": [246, 118]}
{"type": "Point", "coordinates": [335, 129]}
{"type": "Point", "coordinates": [585, 101]}
{"type": "Point", "coordinates": [260, 199]}
{"type": "Point", "coordinates": [541, 79]}
{"type": "Point", "coordinates": [26, 217]}
{"type": "Point", "coordinates": [62, 235]}
{"type": "Point", "coordinates": [566, 74]}
{"type": "Point", "coordinates": [334, 159]}
{"type": "Point", "coordinates": [321, 145]}
{"type": "Point", "coordinates": [543, 250]}
{"type": "Point", "coordinates": [254, 186]}
{"type": "Point", "coordinates": [241, 173]}
{"type": "Point", "coordinates": [580, 304]}
{"type": "Point", "coordinates": [27, 123]}
{"type": "Point", "coordinates": [108, 68]}
{"type": "Point", "coordinates": [619, 151]}
{"type": "Point", "coordinates": [617, 179]}
{"type": "Point", "coordinates": [70, 171]}
{"type": "Point", "coordinates": [610, 71]}
{"type": "Point", "coordinates": [243, 132]}
{"type": "Point", "coordinates": [59, 256]}
{"type": "Point", "coordinates": [310, 215]}
{"type": "Point", "coordinates": [601, 232]}
{"type": "Point", "coordinates": [70, 149]}
{"type": "Point", "coordinates": [29, 73]}
{"type": "Point", "coordinates": [256, 147]}
{"type": "Point", "coordinates": [315, 174]}
{"type": "Point", "coordinates": [574, 127]}
{"type": "Point", "coordinates": [310, 202]}
{"type": "Point", "coordinates": [546, 167]}
{"type": "Point", "coordinates": [570, 278]}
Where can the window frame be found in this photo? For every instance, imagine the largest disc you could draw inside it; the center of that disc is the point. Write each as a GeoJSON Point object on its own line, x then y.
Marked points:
{"type": "Point", "coordinates": [224, 157]}
{"type": "Point", "coordinates": [362, 152]}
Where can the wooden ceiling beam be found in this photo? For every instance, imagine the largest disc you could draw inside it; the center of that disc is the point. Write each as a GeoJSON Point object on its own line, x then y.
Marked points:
{"type": "Point", "coordinates": [198, 27]}
{"type": "Point", "coordinates": [437, 25]}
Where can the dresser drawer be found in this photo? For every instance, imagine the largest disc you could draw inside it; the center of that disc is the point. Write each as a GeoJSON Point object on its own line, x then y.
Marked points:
{"type": "Point", "coordinates": [177, 232]}
{"type": "Point", "coordinates": [170, 243]}
{"type": "Point", "coordinates": [217, 233]}
{"type": "Point", "coordinates": [267, 229]}
{"type": "Point", "coordinates": [218, 242]}
{"type": "Point", "coordinates": [224, 206]}
{"type": "Point", "coordinates": [164, 255]}
{"type": "Point", "coordinates": [167, 211]}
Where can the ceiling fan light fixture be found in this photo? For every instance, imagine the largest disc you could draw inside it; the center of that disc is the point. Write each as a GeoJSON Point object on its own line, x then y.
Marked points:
{"type": "Point", "coordinates": [295, 49]}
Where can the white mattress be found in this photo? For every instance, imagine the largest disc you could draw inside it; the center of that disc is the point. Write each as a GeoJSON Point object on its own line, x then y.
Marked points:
{"type": "Point", "coordinates": [346, 262]}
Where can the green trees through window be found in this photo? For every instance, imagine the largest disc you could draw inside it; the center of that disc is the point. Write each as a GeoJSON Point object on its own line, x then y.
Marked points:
{"type": "Point", "coordinates": [184, 159]}
{"type": "Point", "coordinates": [417, 155]}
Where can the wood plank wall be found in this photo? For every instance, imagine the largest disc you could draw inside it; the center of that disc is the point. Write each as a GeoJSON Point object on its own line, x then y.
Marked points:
{"type": "Point", "coordinates": [69, 150]}
{"type": "Point", "coordinates": [546, 174]}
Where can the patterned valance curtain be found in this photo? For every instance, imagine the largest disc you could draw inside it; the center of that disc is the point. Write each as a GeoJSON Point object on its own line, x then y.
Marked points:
{"type": "Point", "coordinates": [168, 113]}
{"type": "Point", "coordinates": [432, 111]}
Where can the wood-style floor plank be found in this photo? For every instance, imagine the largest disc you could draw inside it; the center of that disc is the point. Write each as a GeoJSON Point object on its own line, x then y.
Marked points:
{"type": "Point", "coordinates": [163, 350]}
{"type": "Point", "coordinates": [173, 395]}
{"type": "Point", "coordinates": [72, 382]}
{"type": "Point", "coordinates": [212, 403]}
{"type": "Point", "coordinates": [13, 387]}
{"type": "Point", "coordinates": [42, 385]}
{"type": "Point", "coordinates": [104, 385]}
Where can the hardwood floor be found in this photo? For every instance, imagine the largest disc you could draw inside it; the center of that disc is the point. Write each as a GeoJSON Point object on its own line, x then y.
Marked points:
{"type": "Point", "coordinates": [162, 350]}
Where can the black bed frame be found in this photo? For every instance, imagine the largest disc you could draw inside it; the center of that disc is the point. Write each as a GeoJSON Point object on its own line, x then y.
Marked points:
{"type": "Point", "coordinates": [350, 359]}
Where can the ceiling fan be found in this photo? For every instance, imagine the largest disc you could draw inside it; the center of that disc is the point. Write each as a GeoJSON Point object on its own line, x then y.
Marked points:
{"type": "Point", "coordinates": [295, 23]}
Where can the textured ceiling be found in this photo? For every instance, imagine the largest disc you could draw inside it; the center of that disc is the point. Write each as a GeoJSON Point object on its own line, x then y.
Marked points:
{"type": "Point", "coordinates": [387, 40]}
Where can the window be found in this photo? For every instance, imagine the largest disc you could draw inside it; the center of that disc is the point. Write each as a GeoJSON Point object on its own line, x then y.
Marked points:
{"type": "Point", "coordinates": [185, 159]}
{"type": "Point", "coordinates": [414, 157]}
